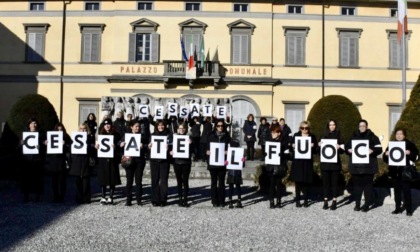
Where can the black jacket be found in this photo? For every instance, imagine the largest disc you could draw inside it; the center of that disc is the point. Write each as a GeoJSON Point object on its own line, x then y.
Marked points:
{"type": "Point", "coordinates": [249, 129]}
{"type": "Point", "coordinates": [374, 144]}
{"type": "Point", "coordinates": [214, 138]}
{"type": "Point", "coordinates": [396, 171]}
{"type": "Point", "coordinates": [263, 133]}
{"type": "Point", "coordinates": [283, 156]}
{"type": "Point", "coordinates": [333, 166]}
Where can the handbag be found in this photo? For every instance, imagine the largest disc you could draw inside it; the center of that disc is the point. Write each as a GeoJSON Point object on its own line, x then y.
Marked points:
{"type": "Point", "coordinates": [126, 161]}
{"type": "Point", "coordinates": [409, 173]}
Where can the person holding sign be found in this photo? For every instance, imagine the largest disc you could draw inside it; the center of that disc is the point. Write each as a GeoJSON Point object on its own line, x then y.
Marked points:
{"type": "Point", "coordinates": [204, 139]}
{"type": "Point", "coordinates": [331, 167]}
{"type": "Point", "coordinates": [276, 172]}
{"type": "Point", "coordinates": [134, 172]}
{"type": "Point", "coordinates": [79, 167]}
{"type": "Point", "coordinates": [217, 166]}
{"type": "Point", "coordinates": [33, 151]}
{"type": "Point", "coordinates": [304, 147]}
{"type": "Point", "coordinates": [108, 167]}
{"type": "Point", "coordinates": [181, 153]}
{"type": "Point", "coordinates": [362, 172]}
{"type": "Point", "coordinates": [234, 176]}
{"type": "Point", "coordinates": [395, 171]}
{"type": "Point", "coordinates": [159, 163]}
{"type": "Point", "coordinates": [56, 163]}
{"type": "Point", "coordinates": [249, 129]}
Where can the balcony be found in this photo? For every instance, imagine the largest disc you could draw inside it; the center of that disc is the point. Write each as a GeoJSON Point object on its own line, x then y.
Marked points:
{"type": "Point", "coordinates": [176, 69]}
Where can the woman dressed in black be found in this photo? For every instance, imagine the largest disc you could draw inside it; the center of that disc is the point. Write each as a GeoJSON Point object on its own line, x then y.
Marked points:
{"type": "Point", "coordinates": [91, 122]}
{"type": "Point", "coordinates": [159, 168]}
{"type": "Point", "coordinates": [218, 173]}
{"type": "Point", "coordinates": [249, 129]}
{"type": "Point", "coordinates": [108, 168]}
{"type": "Point", "coordinates": [302, 169]}
{"type": "Point", "coordinates": [362, 174]}
{"type": "Point", "coordinates": [395, 172]}
{"type": "Point", "coordinates": [32, 165]}
{"type": "Point", "coordinates": [331, 171]}
{"type": "Point", "coordinates": [276, 173]}
{"type": "Point", "coordinates": [182, 167]}
{"type": "Point", "coordinates": [135, 171]}
{"type": "Point", "coordinates": [263, 134]}
{"type": "Point", "coordinates": [56, 166]}
{"type": "Point", "coordinates": [80, 168]}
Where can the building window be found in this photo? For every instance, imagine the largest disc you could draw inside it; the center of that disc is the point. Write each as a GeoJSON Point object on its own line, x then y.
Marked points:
{"type": "Point", "coordinates": [349, 47]}
{"type": "Point", "coordinates": [295, 45]}
{"type": "Point", "coordinates": [144, 5]}
{"type": "Point", "coordinates": [92, 6]}
{"type": "Point", "coordinates": [348, 11]}
{"type": "Point", "coordinates": [36, 6]}
{"type": "Point", "coordinates": [395, 111]}
{"type": "Point", "coordinates": [295, 9]}
{"type": "Point", "coordinates": [294, 114]}
{"type": "Point", "coordinates": [240, 7]}
{"type": "Point", "coordinates": [35, 42]}
{"type": "Point", "coordinates": [87, 106]}
{"type": "Point", "coordinates": [395, 50]}
{"type": "Point", "coordinates": [91, 42]}
{"type": "Point", "coordinates": [144, 42]}
{"type": "Point", "coordinates": [393, 12]}
{"type": "Point", "coordinates": [192, 6]}
{"type": "Point", "coordinates": [193, 39]}
{"type": "Point", "coordinates": [241, 32]}
{"type": "Point", "coordinates": [241, 108]}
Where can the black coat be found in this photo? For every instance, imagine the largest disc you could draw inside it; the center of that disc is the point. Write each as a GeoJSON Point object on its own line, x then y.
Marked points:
{"type": "Point", "coordinates": [283, 157]}
{"type": "Point", "coordinates": [184, 160]}
{"type": "Point", "coordinates": [93, 126]}
{"type": "Point", "coordinates": [302, 169]}
{"type": "Point", "coordinates": [108, 168]}
{"type": "Point", "coordinates": [214, 138]}
{"type": "Point", "coordinates": [263, 133]}
{"type": "Point", "coordinates": [57, 162]}
{"type": "Point", "coordinates": [169, 143]}
{"type": "Point", "coordinates": [249, 129]}
{"type": "Point", "coordinates": [333, 166]}
{"type": "Point", "coordinates": [374, 144]}
{"type": "Point", "coordinates": [120, 127]}
{"type": "Point", "coordinates": [195, 128]}
{"type": "Point", "coordinates": [396, 171]}
{"type": "Point", "coordinates": [80, 162]}
{"type": "Point", "coordinates": [207, 130]}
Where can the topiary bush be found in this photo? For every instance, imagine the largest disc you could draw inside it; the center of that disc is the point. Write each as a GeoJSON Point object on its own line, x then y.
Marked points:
{"type": "Point", "coordinates": [28, 106]}
{"type": "Point", "coordinates": [336, 107]}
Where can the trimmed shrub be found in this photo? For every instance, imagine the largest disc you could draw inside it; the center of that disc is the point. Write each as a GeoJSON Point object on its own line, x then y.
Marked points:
{"type": "Point", "coordinates": [335, 107]}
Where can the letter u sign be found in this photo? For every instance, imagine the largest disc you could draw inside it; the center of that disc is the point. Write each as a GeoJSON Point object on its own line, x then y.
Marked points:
{"type": "Point", "coordinates": [303, 148]}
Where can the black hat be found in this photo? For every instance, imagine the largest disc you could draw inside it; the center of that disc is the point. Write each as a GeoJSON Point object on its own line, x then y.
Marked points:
{"type": "Point", "coordinates": [107, 121]}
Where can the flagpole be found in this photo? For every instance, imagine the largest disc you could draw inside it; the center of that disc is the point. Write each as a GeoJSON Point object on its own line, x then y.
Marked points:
{"type": "Point", "coordinates": [403, 68]}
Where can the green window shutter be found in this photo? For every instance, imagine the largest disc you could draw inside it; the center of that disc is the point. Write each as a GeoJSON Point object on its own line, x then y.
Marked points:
{"type": "Point", "coordinates": [132, 48]}
{"type": "Point", "coordinates": [155, 47]}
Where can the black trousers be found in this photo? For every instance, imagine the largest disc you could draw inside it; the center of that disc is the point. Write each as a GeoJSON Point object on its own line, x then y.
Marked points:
{"type": "Point", "coordinates": [250, 150]}
{"type": "Point", "coordinates": [276, 187]}
{"type": "Point", "coordinates": [159, 172]}
{"type": "Point", "coordinates": [59, 185]}
{"type": "Point", "coordinates": [196, 148]}
{"type": "Point", "coordinates": [301, 187]}
{"type": "Point", "coordinates": [403, 187]}
{"type": "Point", "coordinates": [83, 193]}
{"type": "Point", "coordinates": [135, 173]}
{"type": "Point", "coordinates": [238, 191]}
{"type": "Point", "coordinates": [182, 173]}
{"type": "Point", "coordinates": [203, 151]}
{"type": "Point", "coordinates": [218, 186]}
{"type": "Point", "coordinates": [330, 183]}
{"type": "Point", "coordinates": [363, 183]}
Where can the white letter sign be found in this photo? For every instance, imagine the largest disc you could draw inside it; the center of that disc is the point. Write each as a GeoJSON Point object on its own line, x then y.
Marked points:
{"type": "Point", "coordinates": [172, 109]}
{"type": "Point", "coordinates": [208, 110]}
{"type": "Point", "coordinates": [105, 146]}
{"type": "Point", "coordinates": [79, 145]}
{"type": "Point", "coordinates": [360, 151]}
{"type": "Point", "coordinates": [132, 145]}
{"type": "Point", "coordinates": [217, 154]}
{"type": "Point", "coordinates": [181, 146]}
{"type": "Point", "coordinates": [55, 142]}
{"type": "Point", "coordinates": [183, 112]}
{"type": "Point", "coordinates": [159, 147]}
{"type": "Point", "coordinates": [143, 111]}
{"type": "Point", "coordinates": [329, 152]}
{"type": "Point", "coordinates": [397, 153]}
{"type": "Point", "coordinates": [303, 149]}
{"type": "Point", "coordinates": [273, 150]}
{"type": "Point", "coordinates": [195, 109]}
{"type": "Point", "coordinates": [221, 112]}
{"type": "Point", "coordinates": [234, 157]}
{"type": "Point", "coordinates": [30, 142]}
{"type": "Point", "coordinates": [158, 112]}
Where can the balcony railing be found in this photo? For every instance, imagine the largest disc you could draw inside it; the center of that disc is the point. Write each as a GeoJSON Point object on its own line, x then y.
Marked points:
{"type": "Point", "coordinates": [175, 69]}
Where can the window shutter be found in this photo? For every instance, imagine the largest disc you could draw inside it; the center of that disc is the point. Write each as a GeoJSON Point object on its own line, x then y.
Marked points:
{"type": "Point", "coordinates": [39, 48]}
{"type": "Point", "coordinates": [345, 51]}
{"type": "Point", "coordinates": [236, 44]}
{"type": "Point", "coordinates": [291, 44]}
{"type": "Point", "coordinates": [132, 48]}
{"type": "Point", "coordinates": [394, 53]}
{"type": "Point", "coordinates": [95, 47]}
{"type": "Point", "coordinates": [87, 49]}
{"type": "Point", "coordinates": [155, 47]}
{"type": "Point", "coordinates": [299, 50]}
{"type": "Point", "coordinates": [31, 45]}
{"type": "Point", "coordinates": [353, 52]}
{"type": "Point", "coordinates": [244, 49]}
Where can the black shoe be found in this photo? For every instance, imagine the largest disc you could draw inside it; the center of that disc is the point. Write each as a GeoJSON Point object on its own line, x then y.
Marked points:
{"type": "Point", "coordinates": [397, 211]}
{"type": "Point", "coordinates": [163, 204]}
{"type": "Point", "coordinates": [128, 203]}
{"type": "Point", "coordinates": [365, 209]}
{"type": "Point", "coordinates": [272, 204]}
{"type": "Point", "coordinates": [325, 207]}
{"type": "Point", "coordinates": [230, 204]}
{"type": "Point", "coordinates": [278, 203]}
{"type": "Point", "coordinates": [155, 204]}
{"type": "Point", "coordinates": [409, 213]}
{"type": "Point", "coordinates": [239, 204]}
{"type": "Point", "coordinates": [305, 204]}
{"type": "Point", "coordinates": [139, 202]}
{"type": "Point", "coordinates": [215, 205]}
{"type": "Point", "coordinates": [180, 202]}
{"type": "Point", "coordinates": [334, 205]}
{"type": "Point", "coordinates": [357, 208]}
{"type": "Point", "coordinates": [298, 205]}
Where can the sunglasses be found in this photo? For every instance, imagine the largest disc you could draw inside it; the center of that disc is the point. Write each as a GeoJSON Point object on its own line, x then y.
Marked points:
{"type": "Point", "coordinates": [304, 128]}
{"type": "Point", "coordinates": [219, 126]}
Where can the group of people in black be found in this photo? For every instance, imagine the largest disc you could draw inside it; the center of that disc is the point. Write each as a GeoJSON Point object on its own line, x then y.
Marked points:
{"type": "Point", "coordinates": [202, 132]}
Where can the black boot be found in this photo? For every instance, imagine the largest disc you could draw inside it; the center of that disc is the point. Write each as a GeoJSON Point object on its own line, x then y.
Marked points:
{"type": "Point", "coordinates": [239, 204]}
{"type": "Point", "coordinates": [180, 201]}
{"type": "Point", "coordinates": [278, 203]}
{"type": "Point", "coordinates": [272, 204]}
{"type": "Point", "coordinates": [334, 205]}
{"type": "Point", "coordinates": [230, 204]}
{"type": "Point", "coordinates": [325, 207]}
{"type": "Point", "coordinates": [185, 202]}
{"type": "Point", "coordinates": [128, 201]}
{"type": "Point", "coordinates": [305, 203]}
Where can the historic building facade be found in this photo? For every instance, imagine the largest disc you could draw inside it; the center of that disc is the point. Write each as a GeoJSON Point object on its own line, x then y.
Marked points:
{"type": "Point", "coordinates": [265, 57]}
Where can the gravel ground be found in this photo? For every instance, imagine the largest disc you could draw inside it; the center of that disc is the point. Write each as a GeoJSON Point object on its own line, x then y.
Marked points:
{"type": "Point", "coordinates": [46, 226]}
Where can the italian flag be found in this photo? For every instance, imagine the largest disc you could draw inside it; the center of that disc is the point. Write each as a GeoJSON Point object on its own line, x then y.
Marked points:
{"type": "Point", "coordinates": [402, 18]}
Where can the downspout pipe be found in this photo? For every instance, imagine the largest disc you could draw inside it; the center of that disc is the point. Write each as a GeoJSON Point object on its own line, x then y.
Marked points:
{"type": "Point", "coordinates": [63, 40]}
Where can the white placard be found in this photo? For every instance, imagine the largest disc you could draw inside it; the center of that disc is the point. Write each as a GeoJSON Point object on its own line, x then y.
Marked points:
{"type": "Point", "coordinates": [143, 111]}
{"type": "Point", "coordinates": [105, 146]}
{"type": "Point", "coordinates": [172, 109]}
{"type": "Point", "coordinates": [132, 147]}
{"type": "Point", "coordinates": [30, 142]}
{"type": "Point", "coordinates": [55, 142]}
{"type": "Point", "coordinates": [273, 150]}
{"type": "Point", "coordinates": [360, 151]}
{"type": "Point", "coordinates": [159, 147]}
{"type": "Point", "coordinates": [159, 113]}
{"type": "Point", "coordinates": [184, 111]}
{"type": "Point", "coordinates": [181, 146]}
{"type": "Point", "coordinates": [195, 109]}
{"type": "Point", "coordinates": [79, 145]}
{"type": "Point", "coordinates": [217, 154]}
{"type": "Point", "coordinates": [396, 152]}
{"type": "Point", "coordinates": [234, 158]}
{"type": "Point", "coordinates": [208, 110]}
{"type": "Point", "coordinates": [303, 149]}
{"type": "Point", "coordinates": [329, 152]}
{"type": "Point", "coordinates": [221, 112]}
